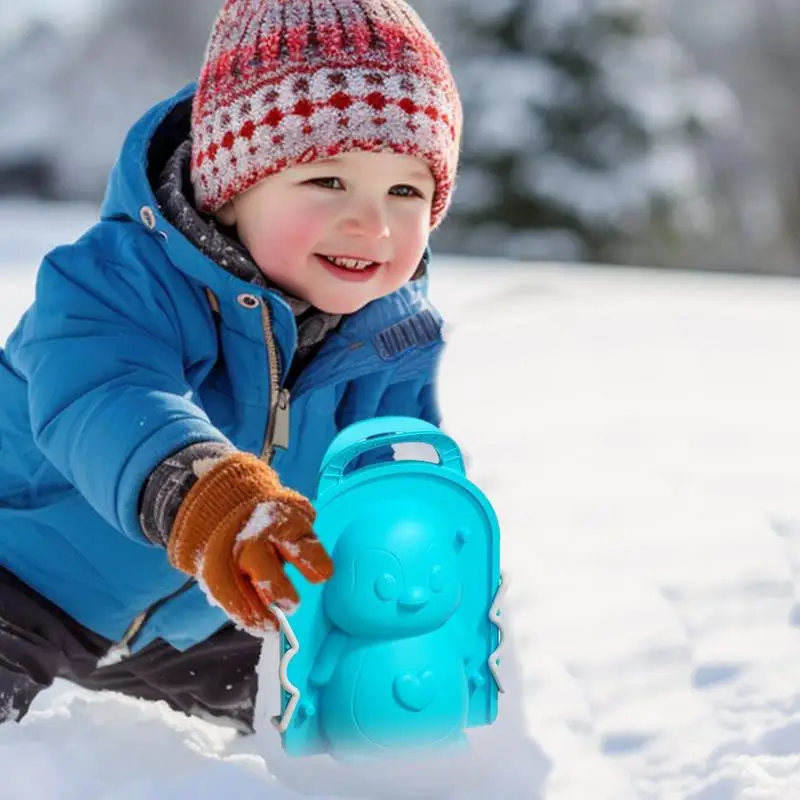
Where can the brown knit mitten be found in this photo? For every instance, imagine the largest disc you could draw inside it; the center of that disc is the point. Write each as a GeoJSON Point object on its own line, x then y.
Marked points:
{"type": "Point", "coordinates": [235, 530]}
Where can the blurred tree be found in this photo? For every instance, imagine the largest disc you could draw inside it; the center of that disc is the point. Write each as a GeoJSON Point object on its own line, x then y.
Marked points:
{"type": "Point", "coordinates": [136, 53]}
{"type": "Point", "coordinates": [582, 124]}
{"type": "Point", "coordinates": [29, 120]}
{"type": "Point", "coordinates": [176, 30]}
{"type": "Point", "coordinates": [68, 100]}
{"type": "Point", "coordinates": [756, 172]}
{"type": "Point", "coordinates": [776, 34]}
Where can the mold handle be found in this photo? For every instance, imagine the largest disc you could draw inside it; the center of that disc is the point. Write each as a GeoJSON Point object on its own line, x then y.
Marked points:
{"type": "Point", "coordinates": [361, 437]}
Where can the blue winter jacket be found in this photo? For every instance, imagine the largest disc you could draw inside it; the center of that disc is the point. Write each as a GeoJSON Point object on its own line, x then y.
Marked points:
{"type": "Point", "coordinates": [137, 345]}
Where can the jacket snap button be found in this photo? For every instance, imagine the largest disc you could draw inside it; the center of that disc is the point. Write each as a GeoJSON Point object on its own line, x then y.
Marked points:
{"type": "Point", "coordinates": [247, 300]}
{"type": "Point", "coordinates": [148, 217]}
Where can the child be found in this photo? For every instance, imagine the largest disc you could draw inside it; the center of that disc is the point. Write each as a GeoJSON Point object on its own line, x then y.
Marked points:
{"type": "Point", "coordinates": [256, 283]}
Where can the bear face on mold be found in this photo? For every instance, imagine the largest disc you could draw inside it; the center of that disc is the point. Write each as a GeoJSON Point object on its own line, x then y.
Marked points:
{"type": "Point", "coordinates": [392, 579]}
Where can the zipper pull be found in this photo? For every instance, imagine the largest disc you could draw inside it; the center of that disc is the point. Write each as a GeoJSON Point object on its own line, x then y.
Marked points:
{"type": "Point", "coordinates": [280, 425]}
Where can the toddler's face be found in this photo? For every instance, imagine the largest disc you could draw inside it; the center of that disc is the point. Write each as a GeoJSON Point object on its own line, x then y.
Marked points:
{"type": "Point", "coordinates": [373, 208]}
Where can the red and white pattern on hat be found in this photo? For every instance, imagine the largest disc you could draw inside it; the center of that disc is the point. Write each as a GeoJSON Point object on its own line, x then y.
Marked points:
{"type": "Point", "coordinates": [287, 82]}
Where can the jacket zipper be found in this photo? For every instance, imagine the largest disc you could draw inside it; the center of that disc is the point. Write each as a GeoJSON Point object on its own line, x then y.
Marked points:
{"type": "Point", "coordinates": [122, 648]}
{"type": "Point", "coordinates": [277, 432]}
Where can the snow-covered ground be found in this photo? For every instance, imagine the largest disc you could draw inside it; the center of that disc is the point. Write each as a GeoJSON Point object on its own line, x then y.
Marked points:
{"type": "Point", "coordinates": [639, 436]}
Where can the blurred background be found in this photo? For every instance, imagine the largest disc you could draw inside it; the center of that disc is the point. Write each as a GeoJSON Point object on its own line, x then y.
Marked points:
{"type": "Point", "coordinates": [651, 132]}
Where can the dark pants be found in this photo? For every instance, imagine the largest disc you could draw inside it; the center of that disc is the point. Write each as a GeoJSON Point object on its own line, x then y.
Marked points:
{"type": "Point", "coordinates": [39, 643]}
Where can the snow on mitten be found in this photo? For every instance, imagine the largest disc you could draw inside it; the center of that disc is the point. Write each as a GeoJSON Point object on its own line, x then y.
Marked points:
{"type": "Point", "coordinates": [235, 530]}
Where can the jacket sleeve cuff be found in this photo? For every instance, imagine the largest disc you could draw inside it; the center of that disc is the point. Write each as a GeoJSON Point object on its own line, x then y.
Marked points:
{"type": "Point", "coordinates": [152, 451]}
{"type": "Point", "coordinates": [170, 482]}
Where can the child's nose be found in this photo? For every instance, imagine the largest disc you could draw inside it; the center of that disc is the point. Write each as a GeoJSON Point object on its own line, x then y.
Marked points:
{"type": "Point", "coordinates": [367, 219]}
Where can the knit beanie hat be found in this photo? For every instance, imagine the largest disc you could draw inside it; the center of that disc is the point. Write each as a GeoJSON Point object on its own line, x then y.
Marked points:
{"type": "Point", "coordinates": [288, 82]}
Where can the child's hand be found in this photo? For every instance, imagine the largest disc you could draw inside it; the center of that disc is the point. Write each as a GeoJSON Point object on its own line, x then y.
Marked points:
{"type": "Point", "coordinates": [234, 531]}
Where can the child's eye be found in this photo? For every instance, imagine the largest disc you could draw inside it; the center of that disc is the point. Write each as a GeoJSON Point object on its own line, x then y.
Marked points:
{"type": "Point", "coordinates": [327, 183]}
{"type": "Point", "coordinates": [404, 190]}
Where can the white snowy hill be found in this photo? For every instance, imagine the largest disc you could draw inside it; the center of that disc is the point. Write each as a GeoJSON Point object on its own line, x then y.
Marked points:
{"type": "Point", "coordinates": [638, 433]}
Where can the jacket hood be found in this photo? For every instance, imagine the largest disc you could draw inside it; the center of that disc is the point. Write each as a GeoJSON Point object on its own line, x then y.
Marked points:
{"type": "Point", "coordinates": [145, 151]}
{"type": "Point", "coordinates": [132, 184]}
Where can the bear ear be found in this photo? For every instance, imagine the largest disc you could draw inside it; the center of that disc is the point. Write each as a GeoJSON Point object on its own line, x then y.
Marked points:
{"type": "Point", "coordinates": [461, 538]}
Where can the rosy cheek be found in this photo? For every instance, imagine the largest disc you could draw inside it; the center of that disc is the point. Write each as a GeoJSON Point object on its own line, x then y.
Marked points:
{"type": "Point", "coordinates": [413, 241]}
{"type": "Point", "coordinates": [299, 232]}
{"type": "Point", "coordinates": [261, 249]}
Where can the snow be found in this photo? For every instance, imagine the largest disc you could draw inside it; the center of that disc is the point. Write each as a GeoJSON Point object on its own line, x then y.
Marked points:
{"type": "Point", "coordinates": [638, 435]}
{"type": "Point", "coordinates": [261, 518]}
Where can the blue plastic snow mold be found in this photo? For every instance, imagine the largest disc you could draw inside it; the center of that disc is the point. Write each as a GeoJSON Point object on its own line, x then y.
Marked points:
{"type": "Point", "coordinates": [398, 651]}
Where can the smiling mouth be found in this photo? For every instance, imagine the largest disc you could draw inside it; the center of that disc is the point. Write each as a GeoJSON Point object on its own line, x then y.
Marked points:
{"type": "Point", "coordinates": [344, 262]}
